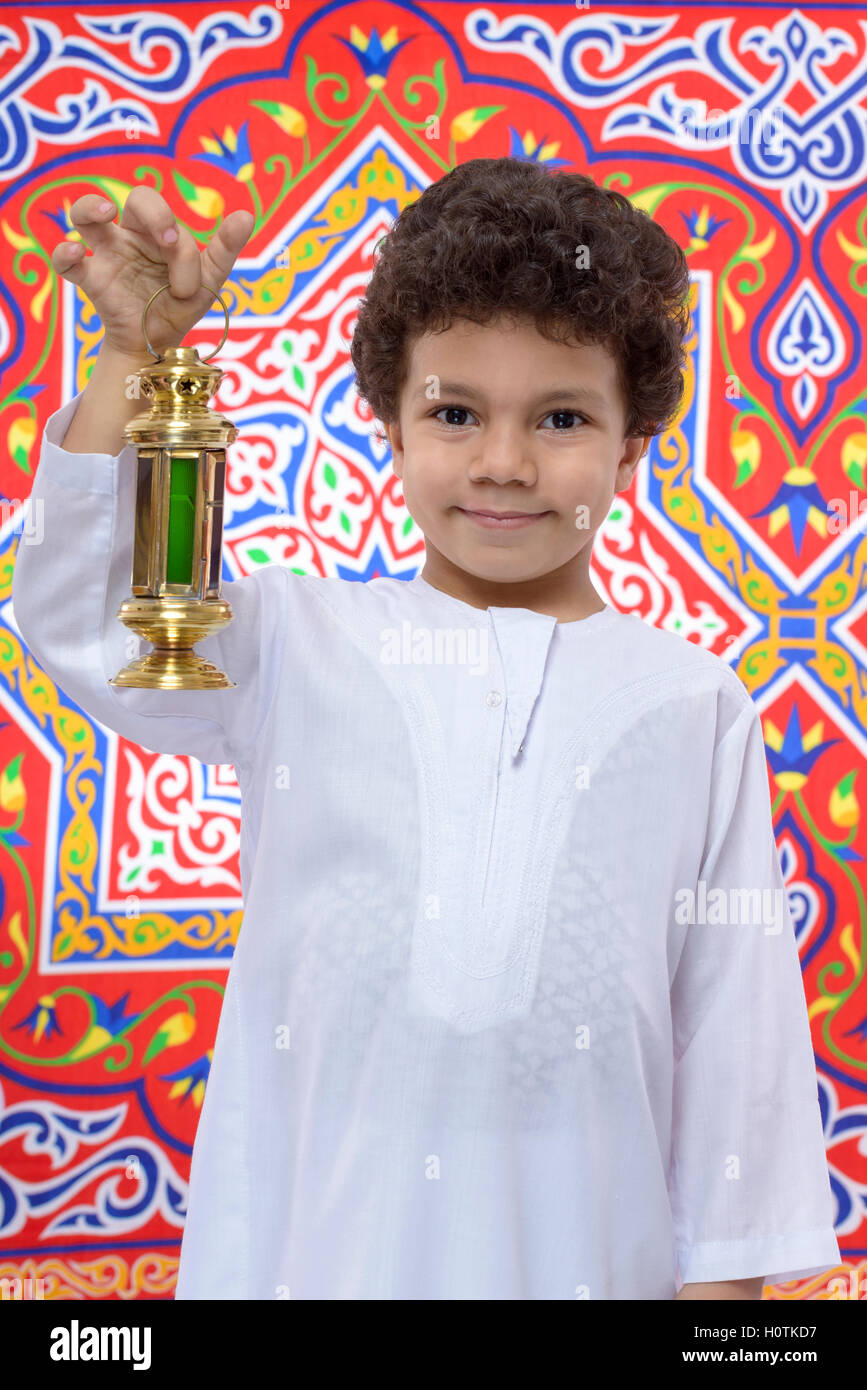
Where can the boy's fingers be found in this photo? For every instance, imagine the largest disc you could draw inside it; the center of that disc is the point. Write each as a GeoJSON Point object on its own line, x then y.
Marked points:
{"type": "Point", "coordinates": [183, 264]}
{"type": "Point", "coordinates": [149, 214]}
{"type": "Point", "coordinates": [225, 246]}
{"type": "Point", "coordinates": [93, 220]}
{"type": "Point", "coordinates": [69, 260]}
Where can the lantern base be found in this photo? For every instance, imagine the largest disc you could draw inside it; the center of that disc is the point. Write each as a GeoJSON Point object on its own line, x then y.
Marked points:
{"type": "Point", "coordinates": [173, 625]}
{"type": "Point", "coordinates": [164, 669]}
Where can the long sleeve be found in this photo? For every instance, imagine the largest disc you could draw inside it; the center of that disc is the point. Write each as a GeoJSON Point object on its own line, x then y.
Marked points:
{"type": "Point", "coordinates": [71, 575]}
{"type": "Point", "coordinates": [748, 1182]}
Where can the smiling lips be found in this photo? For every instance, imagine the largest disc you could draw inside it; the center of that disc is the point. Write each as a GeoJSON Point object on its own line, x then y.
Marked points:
{"type": "Point", "coordinates": [503, 521]}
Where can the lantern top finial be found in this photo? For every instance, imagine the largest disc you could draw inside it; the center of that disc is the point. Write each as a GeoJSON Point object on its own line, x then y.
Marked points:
{"type": "Point", "coordinates": [178, 388]}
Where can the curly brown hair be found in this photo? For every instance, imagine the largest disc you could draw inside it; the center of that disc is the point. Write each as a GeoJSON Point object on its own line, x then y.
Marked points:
{"type": "Point", "coordinates": [498, 237]}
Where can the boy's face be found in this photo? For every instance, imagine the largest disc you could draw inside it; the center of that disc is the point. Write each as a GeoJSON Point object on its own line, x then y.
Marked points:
{"type": "Point", "coordinates": [499, 419]}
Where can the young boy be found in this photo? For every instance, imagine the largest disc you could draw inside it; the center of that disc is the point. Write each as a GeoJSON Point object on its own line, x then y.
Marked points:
{"type": "Point", "coordinates": [473, 1045]}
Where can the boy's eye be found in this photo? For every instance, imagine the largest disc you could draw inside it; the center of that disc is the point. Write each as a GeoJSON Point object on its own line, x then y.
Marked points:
{"type": "Point", "coordinates": [569, 415]}
{"type": "Point", "coordinates": [452, 410]}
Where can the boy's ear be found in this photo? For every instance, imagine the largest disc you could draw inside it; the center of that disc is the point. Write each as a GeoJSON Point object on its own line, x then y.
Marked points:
{"type": "Point", "coordinates": [635, 449]}
{"type": "Point", "coordinates": [395, 442]}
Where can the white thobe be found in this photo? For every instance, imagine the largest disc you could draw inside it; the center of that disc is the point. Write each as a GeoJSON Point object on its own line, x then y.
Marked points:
{"type": "Point", "coordinates": [473, 1045]}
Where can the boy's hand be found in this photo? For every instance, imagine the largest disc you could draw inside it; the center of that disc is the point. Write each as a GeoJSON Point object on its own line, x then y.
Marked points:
{"type": "Point", "coordinates": [132, 260]}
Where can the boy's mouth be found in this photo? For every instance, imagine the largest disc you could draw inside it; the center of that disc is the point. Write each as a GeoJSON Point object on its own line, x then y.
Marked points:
{"type": "Point", "coordinates": [506, 521]}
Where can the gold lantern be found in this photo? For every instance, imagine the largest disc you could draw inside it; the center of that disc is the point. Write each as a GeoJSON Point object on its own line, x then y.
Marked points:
{"type": "Point", "coordinates": [177, 550]}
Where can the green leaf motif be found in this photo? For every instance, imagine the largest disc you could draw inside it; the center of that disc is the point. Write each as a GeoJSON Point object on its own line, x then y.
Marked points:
{"type": "Point", "coordinates": [745, 471]}
{"type": "Point", "coordinates": [185, 188]}
{"type": "Point", "coordinates": [12, 769]}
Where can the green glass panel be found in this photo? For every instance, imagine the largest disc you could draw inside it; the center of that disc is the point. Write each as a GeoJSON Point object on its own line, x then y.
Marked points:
{"type": "Point", "coordinates": [182, 516]}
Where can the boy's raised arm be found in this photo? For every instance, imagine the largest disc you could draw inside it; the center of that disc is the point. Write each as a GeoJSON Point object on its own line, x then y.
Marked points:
{"type": "Point", "coordinates": [73, 571]}
{"type": "Point", "coordinates": [73, 568]}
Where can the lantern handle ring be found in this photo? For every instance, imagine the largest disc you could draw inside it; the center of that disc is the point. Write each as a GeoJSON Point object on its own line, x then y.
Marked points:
{"type": "Point", "coordinates": [158, 355]}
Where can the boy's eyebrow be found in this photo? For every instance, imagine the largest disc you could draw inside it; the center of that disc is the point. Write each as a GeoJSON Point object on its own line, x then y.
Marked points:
{"type": "Point", "coordinates": [582, 395]}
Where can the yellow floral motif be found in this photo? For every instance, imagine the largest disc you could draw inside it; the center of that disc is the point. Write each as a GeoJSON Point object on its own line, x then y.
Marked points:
{"type": "Point", "coordinates": [22, 433]}
{"type": "Point", "coordinates": [854, 458]}
{"type": "Point", "coordinates": [150, 1272]}
{"type": "Point", "coordinates": [837, 593]}
{"type": "Point", "coordinates": [171, 1032]}
{"type": "Point", "coordinates": [790, 780]}
{"type": "Point", "coordinates": [13, 797]}
{"type": "Point", "coordinates": [230, 142]}
{"type": "Point", "coordinates": [756, 251]}
{"type": "Point", "coordinates": [288, 118]}
{"type": "Point", "coordinates": [94, 1040]}
{"type": "Point", "coordinates": [469, 122]}
{"type": "Point", "coordinates": [779, 517]}
{"type": "Point", "coordinates": [16, 239]}
{"type": "Point", "coordinates": [747, 454]}
{"type": "Point", "coordinates": [843, 805]}
{"type": "Point", "coordinates": [858, 254]}
{"type": "Point", "coordinates": [207, 202]}
{"type": "Point", "coordinates": [89, 933]}
{"type": "Point", "coordinates": [377, 180]}
{"type": "Point", "coordinates": [178, 1029]}
{"type": "Point", "coordinates": [22, 242]}
{"type": "Point", "coordinates": [736, 310]}
{"type": "Point", "coordinates": [19, 941]}
{"type": "Point", "coordinates": [548, 151]}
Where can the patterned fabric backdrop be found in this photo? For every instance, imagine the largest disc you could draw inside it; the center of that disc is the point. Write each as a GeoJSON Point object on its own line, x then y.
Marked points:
{"type": "Point", "coordinates": [741, 128]}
